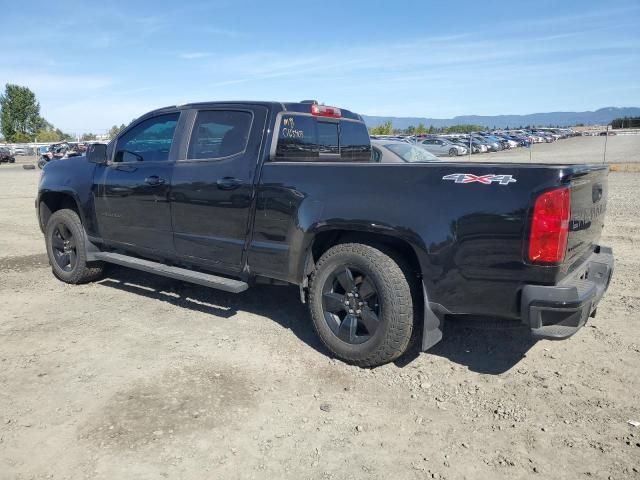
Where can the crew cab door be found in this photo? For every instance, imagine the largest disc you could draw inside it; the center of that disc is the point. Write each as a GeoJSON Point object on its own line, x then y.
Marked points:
{"type": "Point", "coordinates": [212, 184]}
{"type": "Point", "coordinates": [132, 190]}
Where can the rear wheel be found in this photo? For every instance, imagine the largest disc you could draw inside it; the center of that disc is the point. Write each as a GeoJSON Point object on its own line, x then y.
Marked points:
{"type": "Point", "coordinates": [361, 305]}
{"type": "Point", "coordinates": [65, 240]}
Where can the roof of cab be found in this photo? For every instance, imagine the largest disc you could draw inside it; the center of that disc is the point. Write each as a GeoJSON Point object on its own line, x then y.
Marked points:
{"type": "Point", "coordinates": [302, 107]}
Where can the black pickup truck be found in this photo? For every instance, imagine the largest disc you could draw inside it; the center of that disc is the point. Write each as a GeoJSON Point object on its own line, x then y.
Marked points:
{"type": "Point", "coordinates": [228, 194]}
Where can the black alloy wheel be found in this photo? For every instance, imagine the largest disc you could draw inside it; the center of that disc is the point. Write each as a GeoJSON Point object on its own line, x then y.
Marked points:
{"type": "Point", "coordinates": [351, 305]}
{"type": "Point", "coordinates": [64, 247]}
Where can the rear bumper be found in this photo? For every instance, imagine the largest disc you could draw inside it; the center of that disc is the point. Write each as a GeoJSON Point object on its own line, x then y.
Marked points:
{"type": "Point", "coordinates": [558, 311]}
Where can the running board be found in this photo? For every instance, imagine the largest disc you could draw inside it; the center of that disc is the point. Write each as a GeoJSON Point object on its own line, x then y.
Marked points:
{"type": "Point", "coordinates": [204, 279]}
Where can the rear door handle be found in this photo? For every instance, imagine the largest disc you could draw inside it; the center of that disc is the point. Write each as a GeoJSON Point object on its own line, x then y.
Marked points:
{"type": "Point", "coordinates": [229, 183]}
{"type": "Point", "coordinates": [154, 180]}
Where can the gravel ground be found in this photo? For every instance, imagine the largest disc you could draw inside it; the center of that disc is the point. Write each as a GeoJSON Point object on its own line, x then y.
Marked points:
{"type": "Point", "coordinates": [620, 149]}
{"type": "Point", "coordinates": [141, 377]}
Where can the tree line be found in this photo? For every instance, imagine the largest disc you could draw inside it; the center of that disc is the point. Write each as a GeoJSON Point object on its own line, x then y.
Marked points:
{"type": "Point", "coordinates": [387, 128]}
{"type": "Point", "coordinates": [21, 122]}
{"type": "Point", "coordinates": [626, 122]}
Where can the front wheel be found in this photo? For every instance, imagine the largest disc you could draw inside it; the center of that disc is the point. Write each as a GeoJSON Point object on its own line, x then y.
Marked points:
{"type": "Point", "coordinates": [453, 152]}
{"type": "Point", "coordinates": [361, 305]}
{"type": "Point", "coordinates": [65, 240]}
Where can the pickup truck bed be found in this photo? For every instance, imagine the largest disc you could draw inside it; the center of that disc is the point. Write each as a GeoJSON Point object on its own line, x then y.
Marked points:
{"type": "Point", "coordinates": [303, 203]}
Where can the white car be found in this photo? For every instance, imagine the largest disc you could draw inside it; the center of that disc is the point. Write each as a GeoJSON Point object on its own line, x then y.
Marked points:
{"type": "Point", "coordinates": [441, 146]}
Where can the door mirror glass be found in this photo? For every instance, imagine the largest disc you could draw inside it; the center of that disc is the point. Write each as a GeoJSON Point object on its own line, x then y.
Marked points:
{"type": "Point", "coordinates": [97, 153]}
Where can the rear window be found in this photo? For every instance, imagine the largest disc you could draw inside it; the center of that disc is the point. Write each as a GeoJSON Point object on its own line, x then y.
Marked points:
{"type": "Point", "coordinates": [306, 138]}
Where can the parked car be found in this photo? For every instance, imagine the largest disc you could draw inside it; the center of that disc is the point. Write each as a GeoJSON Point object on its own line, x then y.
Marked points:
{"type": "Point", "coordinates": [19, 151]}
{"type": "Point", "coordinates": [475, 147]}
{"type": "Point", "coordinates": [496, 141]}
{"type": "Point", "coordinates": [491, 146]}
{"type": "Point", "coordinates": [226, 195]}
{"type": "Point", "coordinates": [6, 156]}
{"type": "Point", "coordinates": [393, 151]}
{"type": "Point", "coordinates": [441, 146]}
{"type": "Point", "coordinates": [478, 146]}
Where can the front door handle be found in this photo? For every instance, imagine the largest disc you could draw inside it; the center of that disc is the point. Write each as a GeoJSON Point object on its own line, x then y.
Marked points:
{"type": "Point", "coordinates": [154, 180]}
{"type": "Point", "coordinates": [229, 183]}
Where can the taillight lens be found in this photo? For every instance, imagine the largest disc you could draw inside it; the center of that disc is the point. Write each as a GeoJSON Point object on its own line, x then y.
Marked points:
{"type": "Point", "coordinates": [550, 226]}
{"type": "Point", "coordinates": [325, 111]}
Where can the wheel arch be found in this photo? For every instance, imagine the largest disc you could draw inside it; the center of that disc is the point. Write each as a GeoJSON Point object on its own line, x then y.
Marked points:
{"type": "Point", "coordinates": [410, 253]}
{"type": "Point", "coordinates": [51, 201]}
{"type": "Point", "coordinates": [321, 240]}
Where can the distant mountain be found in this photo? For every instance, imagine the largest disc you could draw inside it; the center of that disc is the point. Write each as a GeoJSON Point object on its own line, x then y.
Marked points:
{"type": "Point", "coordinates": [563, 119]}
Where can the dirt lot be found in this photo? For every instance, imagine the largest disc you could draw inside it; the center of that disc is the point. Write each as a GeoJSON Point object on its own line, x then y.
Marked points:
{"type": "Point", "coordinates": [620, 149]}
{"type": "Point", "coordinates": [142, 377]}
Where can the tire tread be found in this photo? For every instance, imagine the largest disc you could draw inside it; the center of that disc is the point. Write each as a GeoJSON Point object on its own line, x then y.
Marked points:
{"type": "Point", "coordinates": [394, 281]}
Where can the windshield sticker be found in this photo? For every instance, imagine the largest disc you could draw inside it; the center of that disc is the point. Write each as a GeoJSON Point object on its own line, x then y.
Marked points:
{"type": "Point", "coordinates": [289, 130]}
{"type": "Point", "coordinates": [484, 179]}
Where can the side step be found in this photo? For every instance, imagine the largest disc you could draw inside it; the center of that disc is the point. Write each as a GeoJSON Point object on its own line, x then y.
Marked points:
{"type": "Point", "coordinates": [204, 279]}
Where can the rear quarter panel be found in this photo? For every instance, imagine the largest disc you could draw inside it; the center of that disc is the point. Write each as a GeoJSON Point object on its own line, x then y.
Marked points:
{"type": "Point", "coordinates": [469, 237]}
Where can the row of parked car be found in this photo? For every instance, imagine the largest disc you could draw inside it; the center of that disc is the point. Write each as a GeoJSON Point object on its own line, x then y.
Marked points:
{"type": "Point", "coordinates": [481, 142]}
{"type": "Point", "coordinates": [60, 150]}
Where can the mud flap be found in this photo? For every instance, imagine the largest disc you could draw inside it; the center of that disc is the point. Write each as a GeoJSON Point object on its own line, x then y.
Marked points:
{"type": "Point", "coordinates": [90, 248]}
{"type": "Point", "coordinates": [432, 330]}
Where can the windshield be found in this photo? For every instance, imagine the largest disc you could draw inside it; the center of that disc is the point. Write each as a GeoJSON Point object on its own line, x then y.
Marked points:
{"type": "Point", "coordinates": [411, 153]}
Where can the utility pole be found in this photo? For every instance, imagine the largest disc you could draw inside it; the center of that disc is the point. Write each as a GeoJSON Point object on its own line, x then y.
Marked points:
{"type": "Point", "coordinates": [606, 137]}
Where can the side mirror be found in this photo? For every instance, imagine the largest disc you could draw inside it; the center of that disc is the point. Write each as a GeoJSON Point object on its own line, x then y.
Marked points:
{"type": "Point", "coordinates": [97, 153]}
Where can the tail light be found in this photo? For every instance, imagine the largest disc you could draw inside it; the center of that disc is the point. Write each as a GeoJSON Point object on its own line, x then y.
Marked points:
{"type": "Point", "coordinates": [550, 226]}
{"type": "Point", "coordinates": [324, 111]}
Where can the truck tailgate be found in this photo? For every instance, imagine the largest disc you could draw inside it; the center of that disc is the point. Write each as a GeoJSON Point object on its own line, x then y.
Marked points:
{"type": "Point", "coordinates": [588, 205]}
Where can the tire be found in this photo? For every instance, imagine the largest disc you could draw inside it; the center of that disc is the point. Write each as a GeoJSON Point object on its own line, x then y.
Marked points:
{"type": "Point", "coordinates": [453, 152]}
{"type": "Point", "coordinates": [369, 343]}
{"type": "Point", "coordinates": [65, 239]}
{"type": "Point", "coordinates": [41, 163]}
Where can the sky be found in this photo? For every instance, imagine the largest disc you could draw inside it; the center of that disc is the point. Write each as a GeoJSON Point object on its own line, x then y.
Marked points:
{"type": "Point", "coordinates": [93, 66]}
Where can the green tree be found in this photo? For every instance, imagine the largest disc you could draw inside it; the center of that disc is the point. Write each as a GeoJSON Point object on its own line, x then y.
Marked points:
{"type": "Point", "coordinates": [410, 130]}
{"type": "Point", "coordinates": [115, 130]}
{"type": "Point", "coordinates": [47, 136]}
{"type": "Point", "coordinates": [20, 117]}
{"type": "Point", "coordinates": [20, 138]}
{"type": "Point", "coordinates": [385, 128]}
{"type": "Point", "coordinates": [87, 137]}
{"type": "Point", "coordinates": [62, 136]}
{"type": "Point", "coordinates": [421, 129]}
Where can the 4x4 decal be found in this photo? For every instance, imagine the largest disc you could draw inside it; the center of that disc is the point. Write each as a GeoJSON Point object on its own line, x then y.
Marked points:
{"type": "Point", "coordinates": [485, 179]}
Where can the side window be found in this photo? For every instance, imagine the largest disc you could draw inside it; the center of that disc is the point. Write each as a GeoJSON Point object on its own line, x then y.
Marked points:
{"type": "Point", "coordinates": [149, 141]}
{"type": "Point", "coordinates": [297, 138]}
{"type": "Point", "coordinates": [219, 134]}
{"type": "Point", "coordinates": [355, 145]}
